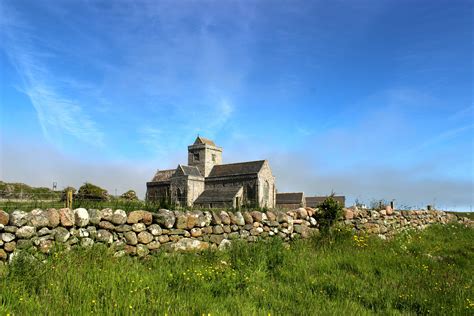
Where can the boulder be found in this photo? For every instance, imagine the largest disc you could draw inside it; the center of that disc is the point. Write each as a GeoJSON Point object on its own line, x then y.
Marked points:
{"type": "Point", "coordinates": [106, 225]}
{"type": "Point", "coordinates": [153, 245]}
{"type": "Point", "coordinates": [140, 216]}
{"type": "Point", "coordinates": [131, 238]}
{"type": "Point", "coordinates": [181, 220]}
{"type": "Point", "coordinates": [348, 214]}
{"type": "Point", "coordinates": [225, 218]}
{"type": "Point", "coordinates": [119, 217]}
{"type": "Point", "coordinates": [216, 239]}
{"type": "Point", "coordinates": [66, 217]}
{"type": "Point", "coordinates": [9, 246]}
{"type": "Point", "coordinates": [145, 237]}
{"type": "Point", "coordinates": [138, 227]}
{"type": "Point", "coordinates": [3, 255]}
{"type": "Point", "coordinates": [239, 219]}
{"type": "Point", "coordinates": [192, 220]}
{"type": "Point", "coordinates": [164, 218]}
{"type": "Point", "coordinates": [53, 217]}
{"type": "Point", "coordinates": [196, 232]}
{"type": "Point", "coordinates": [45, 246]}
{"type": "Point", "coordinates": [4, 217]}
{"type": "Point", "coordinates": [247, 217]}
{"type": "Point", "coordinates": [257, 216]}
{"type": "Point", "coordinates": [18, 218]}
{"type": "Point", "coordinates": [104, 236]}
{"type": "Point", "coordinates": [123, 228]}
{"type": "Point", "coordinates": [302, 213]}
{"type": "Point", "coordinates": [81, 217]}
{"type": "Point", "coordinates": [61, 234]}
{"type": "Point", "coordinates": [95, 216]}
{"type": "Point", "coordinates": [7, 237]}
{"type": "Point", "coordinates": [216, 219]}
{"type": "Point", "coordinates": [87, 242]}
{"type": "Point", "coordinates": [155, 229]}
{"type": "Point", "coordinates": [188, 244]}
{"type": "Point", "coordinates": [225, 244]}
{"type": "Point", "coordinates": [218, 230]}
{"type": "Point", "coordinates": [37, 218]}
{"type": "Point", "coordinates": [107, 214]}
{"type": "Point", "coordinates": [26, 232]}
{"type": "Point", "coordinates": [142, 250]}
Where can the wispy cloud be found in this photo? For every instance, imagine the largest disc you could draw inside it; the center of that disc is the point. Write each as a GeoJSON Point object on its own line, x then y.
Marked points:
{"type": "Point", "coordinates": [58, 114]}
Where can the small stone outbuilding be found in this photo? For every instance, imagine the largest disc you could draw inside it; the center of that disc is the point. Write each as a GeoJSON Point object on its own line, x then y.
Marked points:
{"type": "Point", "coordinates": [290, 200]}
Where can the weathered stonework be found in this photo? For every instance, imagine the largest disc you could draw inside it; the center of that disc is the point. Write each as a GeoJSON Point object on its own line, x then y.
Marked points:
{"type": "Point", "coordinates": [181, 231]}
{"type": "Point", "coordinates": [207, 183]}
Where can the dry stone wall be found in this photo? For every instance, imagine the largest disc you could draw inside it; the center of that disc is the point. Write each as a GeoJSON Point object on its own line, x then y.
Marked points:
{"type": "Point", "coordinates": [141, 233]}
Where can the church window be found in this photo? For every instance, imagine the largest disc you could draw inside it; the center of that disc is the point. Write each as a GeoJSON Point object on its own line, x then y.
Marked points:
{"type": "Point", "coordinates": [196, 156]}
{"type": "Point", "coordinates": [213, 158]}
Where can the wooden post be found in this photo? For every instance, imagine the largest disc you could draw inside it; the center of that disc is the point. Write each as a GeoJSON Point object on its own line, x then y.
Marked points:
{"type": "Point", "coordinates": [69, 199]}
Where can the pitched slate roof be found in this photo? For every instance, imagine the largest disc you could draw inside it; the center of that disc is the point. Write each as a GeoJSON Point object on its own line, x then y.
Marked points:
{"type": "Point", "coordinates": [233, 169]}
{"type": "Point", "coordinates": [163, 175]}
{"type": "Point", "coordinates": [226, 194]}
{"type": "Point", "coordinates": [203, 141]}
{"type": "Point", "coordinates": [289, 198]}
{"type": "Point", "coordinates": [314, 201]}
{"type": "Point", "coordinates": [190, 170]}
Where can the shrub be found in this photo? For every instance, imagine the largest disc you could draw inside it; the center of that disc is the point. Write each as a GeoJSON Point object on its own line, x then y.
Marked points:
{"type": "Point", "coordinates": [130, 195]}
{"type": "Point", "coordinates": [92, 192]}
{"type": "Point", "coordinates": [329, 212]}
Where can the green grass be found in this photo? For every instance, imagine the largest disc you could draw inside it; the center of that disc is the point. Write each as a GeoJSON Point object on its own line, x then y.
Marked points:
{"type": "Point", "coordinates": [415, 273]}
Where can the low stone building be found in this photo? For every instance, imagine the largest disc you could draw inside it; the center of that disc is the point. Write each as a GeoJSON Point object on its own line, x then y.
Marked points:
{"type": "Point", "coordinates": [206, 182]}
{"type": "Point", "coordinates": [315, 201]}
{"type": "Point", "coordinates": [290, 200]}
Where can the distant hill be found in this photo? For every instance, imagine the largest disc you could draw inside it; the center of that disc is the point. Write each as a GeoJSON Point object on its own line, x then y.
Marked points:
{"type": "Point", "coordinates": [24, 191]}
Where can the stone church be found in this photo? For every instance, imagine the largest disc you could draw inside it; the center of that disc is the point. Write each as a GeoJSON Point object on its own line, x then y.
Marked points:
{"type": "Point", "coordinates": [206, 182]}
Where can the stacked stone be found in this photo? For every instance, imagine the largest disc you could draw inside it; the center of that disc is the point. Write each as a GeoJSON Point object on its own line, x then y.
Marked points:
{"type": "Point", "coordinates": [141, 232]}
{"type": "Point", "coordinates": [388, 222]}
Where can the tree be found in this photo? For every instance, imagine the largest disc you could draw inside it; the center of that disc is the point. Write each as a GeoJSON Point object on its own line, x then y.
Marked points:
{"type": "Point", "coordinates": [92, 192]}
{"type": "Point", "coordinates": [130, 195]}
{"type": "Point", "coordinates": [329, 212]}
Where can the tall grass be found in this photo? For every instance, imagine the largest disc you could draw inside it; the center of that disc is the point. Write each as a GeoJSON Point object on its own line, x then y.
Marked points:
{"type": "Point", "coordinates": [415, 273]}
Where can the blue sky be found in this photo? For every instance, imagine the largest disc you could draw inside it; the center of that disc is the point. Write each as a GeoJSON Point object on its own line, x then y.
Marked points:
{"type": "Point", "coordinates": [371, 99]}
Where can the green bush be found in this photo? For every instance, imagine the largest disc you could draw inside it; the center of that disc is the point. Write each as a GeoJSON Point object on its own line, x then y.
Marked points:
{"type": "Point", "coordinates": [130, 195]}
{"type": "Point", "coordinates": [329, 212]}
{"type": "Point", "coordinates": [92, 192]}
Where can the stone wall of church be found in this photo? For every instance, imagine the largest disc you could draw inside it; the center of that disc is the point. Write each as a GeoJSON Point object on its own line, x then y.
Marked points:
{"type": "Point", "coordinates": [195, 186]}
{"type": "Point", "coordinates": [249, 185]}
{"type": "Point", "coordinates": [266, 187]}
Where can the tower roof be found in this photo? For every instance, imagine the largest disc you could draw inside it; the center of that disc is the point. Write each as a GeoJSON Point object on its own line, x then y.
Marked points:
{"type": "Point", "coordinates": [203, 141]}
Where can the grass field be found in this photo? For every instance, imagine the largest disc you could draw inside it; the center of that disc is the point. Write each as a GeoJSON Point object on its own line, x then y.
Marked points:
{"type": "Point", "coordinates": [416, 273]}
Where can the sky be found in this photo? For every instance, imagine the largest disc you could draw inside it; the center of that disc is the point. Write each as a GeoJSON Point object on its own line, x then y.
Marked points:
{"type": "Point", "coordinates": [368, 99]}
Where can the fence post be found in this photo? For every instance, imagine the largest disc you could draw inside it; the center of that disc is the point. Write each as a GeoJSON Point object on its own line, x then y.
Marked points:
{"type": "Point", "coordinates": [69, 199]}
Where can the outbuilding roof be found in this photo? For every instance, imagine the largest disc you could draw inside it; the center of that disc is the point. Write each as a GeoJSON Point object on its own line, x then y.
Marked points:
{"type": "Point", "coordinates": [226, 194]}
{"type": "Point", "coordinates": [314, 201]}
{"type": "Point", "coordinates": [233, 169]}
{"type": "Point", "coordinates": [289, 198]}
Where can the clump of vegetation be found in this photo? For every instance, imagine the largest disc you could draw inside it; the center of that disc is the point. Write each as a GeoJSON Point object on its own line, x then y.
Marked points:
{"type": "Point", "coordinates": [328, 213]}
{"type": "Point", "coordinates": [92, 192]}
{"type": "Point", "coordinates": [24, 191]}
{"type": "Point", "coordinates": [130, 195]}
{"type": "Point", "coordinates": [427, 272]}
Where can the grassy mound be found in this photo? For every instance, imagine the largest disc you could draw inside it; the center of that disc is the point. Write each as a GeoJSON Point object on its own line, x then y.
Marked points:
{"type": "Point", "coordinates": [415, 273]}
